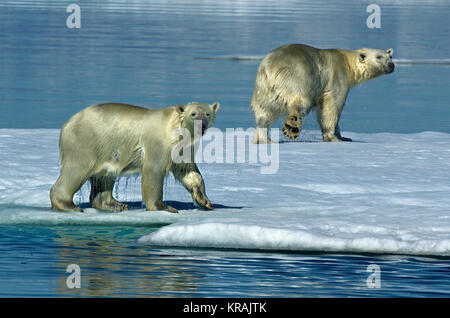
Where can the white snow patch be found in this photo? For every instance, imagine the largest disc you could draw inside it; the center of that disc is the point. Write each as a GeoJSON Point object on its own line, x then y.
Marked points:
{"type": "Point", "coordinates": [383, 193]}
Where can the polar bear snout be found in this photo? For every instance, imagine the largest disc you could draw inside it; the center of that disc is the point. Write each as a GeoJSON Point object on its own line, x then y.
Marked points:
{"type": "Point", "coordinates": [389, 68]}
{"type": "Point", "coordinates": [204, 125]}
{"type": "Point", "coordinates": [201, 124]}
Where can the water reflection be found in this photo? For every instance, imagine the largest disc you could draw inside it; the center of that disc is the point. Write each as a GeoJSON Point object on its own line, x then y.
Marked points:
{"type": "Point", "coordinates": [110, 268]}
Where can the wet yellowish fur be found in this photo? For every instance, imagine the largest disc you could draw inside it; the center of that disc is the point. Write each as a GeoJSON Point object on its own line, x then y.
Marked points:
{"type": "Point", "coordinates": [294, 78]}
{"type": "Point", "coordinates": [108, 140]}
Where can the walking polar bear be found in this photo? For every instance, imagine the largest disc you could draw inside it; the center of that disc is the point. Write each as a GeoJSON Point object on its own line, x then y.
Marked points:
{"type": "Point", "coordinates": [105, 141]}
{"type": "Point", "coordinates": [294, 78]}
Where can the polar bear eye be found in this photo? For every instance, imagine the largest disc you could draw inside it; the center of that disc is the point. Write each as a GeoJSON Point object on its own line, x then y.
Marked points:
{"type": "Point", "coordinates": [207, 114]}
{"type": "Point", "coordinates": [193, 114]}
{"type": "Point", "coordinates": [379, 57]}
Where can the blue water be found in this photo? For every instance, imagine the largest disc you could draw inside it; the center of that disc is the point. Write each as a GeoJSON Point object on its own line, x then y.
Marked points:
{"type": "Point", "coordinates": [33, 263]}
{"type": "Point", "coordinates": [152, 53]}
{"type": "Point", "coordinates": [145, 53]}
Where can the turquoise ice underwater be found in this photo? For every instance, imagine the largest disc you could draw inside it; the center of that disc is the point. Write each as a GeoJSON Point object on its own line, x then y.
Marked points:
{"type": "Point", "coordinates": [309, 230]}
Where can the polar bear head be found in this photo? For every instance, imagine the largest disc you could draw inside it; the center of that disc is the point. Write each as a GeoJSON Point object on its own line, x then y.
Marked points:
{"type": "Point", "coordinates": [373, 62]}
{"type": "Point", "coordinates": [197, 117]}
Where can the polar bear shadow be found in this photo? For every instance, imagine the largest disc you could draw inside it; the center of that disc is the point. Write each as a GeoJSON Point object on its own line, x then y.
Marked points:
{"type": "Point", "coordinates": [137, 205]}
{"type": "Point", "coordinates": [310, 136]}
{"type": "Point", "coordinates": [307, 141]}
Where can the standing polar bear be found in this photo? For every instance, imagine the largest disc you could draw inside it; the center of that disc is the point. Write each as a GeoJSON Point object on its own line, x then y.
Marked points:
{"type": "Point", "coordinates": [105, 141]}
{"type": "Point", "coordinates": [294, 78]}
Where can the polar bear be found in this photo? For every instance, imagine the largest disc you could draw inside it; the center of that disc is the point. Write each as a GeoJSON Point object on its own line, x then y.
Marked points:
{"type": "Point", "coordinates": [107, 140]}
{"type": "Point", "coordinates": [294, 78]}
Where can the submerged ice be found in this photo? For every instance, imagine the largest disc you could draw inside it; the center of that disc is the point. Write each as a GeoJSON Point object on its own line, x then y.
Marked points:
{"type": "Point", "coordinates": [383, 193]}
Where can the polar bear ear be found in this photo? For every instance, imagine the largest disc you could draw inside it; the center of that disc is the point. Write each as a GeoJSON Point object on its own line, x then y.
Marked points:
{"type": "Point", "coordinates": [215, 107]}
{"type": "Point", "coordinates": [179, 108]}
{"type": "Point", "coordinates": [362, 57]}
{"type": "Point", "coordinates": [390, 52]}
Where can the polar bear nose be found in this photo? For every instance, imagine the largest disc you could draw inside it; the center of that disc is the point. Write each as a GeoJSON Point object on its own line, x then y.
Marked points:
{"type": "Point", "coordinates": [204, 125]}
{"type": "Point", "coordinates": [391, 66]}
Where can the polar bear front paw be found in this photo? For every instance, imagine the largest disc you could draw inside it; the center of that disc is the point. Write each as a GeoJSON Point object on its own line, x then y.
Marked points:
{"type": "Point", "coordinates": [201, 199]}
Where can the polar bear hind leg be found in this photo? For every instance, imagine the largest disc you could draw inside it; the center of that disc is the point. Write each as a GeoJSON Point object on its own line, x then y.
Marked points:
{"type": "Point", "coordinates": [101, 194]}
{"type": "Point", "coordinates": [68, 183]}
{"type": "Point", "coordinates": [293, 124]}
{"type": "Point", "coordinates": [261, 135]}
